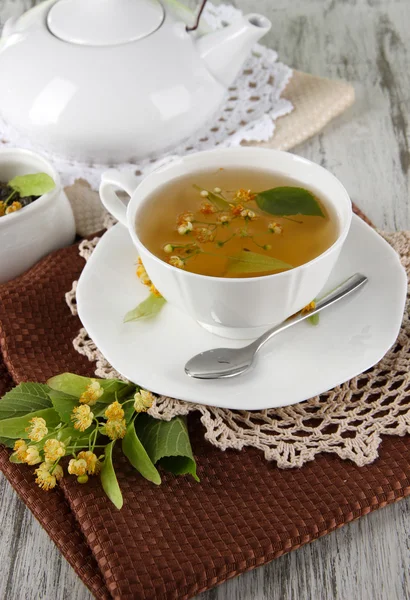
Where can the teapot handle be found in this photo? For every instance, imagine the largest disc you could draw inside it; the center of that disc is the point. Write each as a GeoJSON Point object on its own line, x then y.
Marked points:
{"type": "Point", "coordinates": [112, 180]}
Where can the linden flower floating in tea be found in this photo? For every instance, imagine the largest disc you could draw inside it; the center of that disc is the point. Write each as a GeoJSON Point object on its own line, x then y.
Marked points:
{"type": "Point", "coordinates": [59, 434]}
{"type": "Point", "coordinates": [231, 233]}
{"type": "Point", "coordinates": [221, 225]}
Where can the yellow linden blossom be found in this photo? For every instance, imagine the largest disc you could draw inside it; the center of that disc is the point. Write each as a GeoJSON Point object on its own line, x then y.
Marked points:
{"type": "Point", "coordinates": [114, 412]}
{"type": "Point", "coordinates": [154, 291]}
{"type": "Point", "coordinates": [244, 195]}
{"type": "Point", "coordinates": [175, 261]}
{"type": "Point", "coordinates": [204, 234]}
{"type": "Point", "coordinates": [20, 448]}
{"type": "Point", "coordinates": [275, 228]}
{"type": "Point", "coordinates": [143, 400]}
{"type": "Point", "coordinates": [142, 274]}
{"type": "Point", "coordinates": [2, 209]}
{"type": "Point", "coordinates": [37, 429]}
{"type": "Point", "coordinates": [185, 227]}
{"type": "Point", "coordinates": [82, 417]}
{"type": "Point", "coordinates": [92, 393]}
{"type": "Point", "coordinates": [236, 209]}
{"type": "Point", "coordinates": [185, 217]}
{"type": "Point", "coordinates": [53, 450]}
{"type": "Point", "coordinates": [93, 464]}
{"type": "Point", "coordinates": [224, 219]}
{"type": "Point", "coordinates": [115, 429]}
{"type": "Point", "coordinates": [32, 456]}
{"type": "Point", "coordinates": [45, 479]}
{"type": "Point", "coordinates": [14, 206]}
{"type": "Point", "coordinates": [207, 208]}
{"type": "Point", "coordinates": [309, 307]}
{"type": "Point", "coordinates": [248, 215]}
{"type": "Point", "coordinates": [77, 466]}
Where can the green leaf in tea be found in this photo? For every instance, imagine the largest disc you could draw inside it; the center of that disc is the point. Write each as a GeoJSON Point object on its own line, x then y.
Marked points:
{"type": "Point", "coordinates": [253, 262]}
{"type": "Point", "coordinates": [216, 200]}
{"type": "Point", "coordinates": [23, 399]}
{"type": "Point", "coordinates": [146, 309]}
{"type": "Point", "coordinates": [15, 427]}
{"type": "Point", "coordinates": [138, 457]}
{"type": "Point", "coordinates": [109, 479]}
{"type": "Point", "coordinates": [288, 200]}
{"type": "Point", "coordinates": [35, 184]}
{"type": "Point", "coordinates": [167, 442]}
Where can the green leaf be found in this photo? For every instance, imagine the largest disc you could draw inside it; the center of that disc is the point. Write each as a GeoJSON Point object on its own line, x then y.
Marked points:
{"type": "Point", "coordinates": [167, 439]}
{"type": "Point", "coordinates": [147, 308]}
{"type": "Point", "coordinates": [23, 399]}
{"type": "Point", "coordinates": [253, 262]}
{"type": "Point", "coordinates": [74, 385]}
{"type": "Point", "coordinates": [285, 201]}
{"type": "Point", "coordinates": [64, 404]}
{"type": "Point", "coordinates": [15, 426]}
{"type": "Point", "coordinates": [138, 457]}
{"type": "Point", "coordinates": [14, 459]}
{"type": "Point", "coordinates": [8, 442]}
{"type": "Point", "coordinates": [109, 479]}
{"type": "Point", "coordinates": [74, 436]}
{"type": "Point", "coordinates": [314, 319]}
{"type": "Point", "coordinates": [216, 200]}
{"type": "Point", "coordinates": [35, 184]}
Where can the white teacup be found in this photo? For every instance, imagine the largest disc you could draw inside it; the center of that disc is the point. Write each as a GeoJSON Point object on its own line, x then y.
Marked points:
{"type": "Point", "coordinates": [239, 308]}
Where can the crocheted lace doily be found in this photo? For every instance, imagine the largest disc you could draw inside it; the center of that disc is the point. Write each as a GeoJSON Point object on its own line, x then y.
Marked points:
{"type": "Point", "coordinates": [348, 420]}
{"type": "Point", "coordinates": [248, 113]}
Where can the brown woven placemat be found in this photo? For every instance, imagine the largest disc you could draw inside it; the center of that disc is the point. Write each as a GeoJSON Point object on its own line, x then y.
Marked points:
{"type": "Point", "coordinates": [181, 538]}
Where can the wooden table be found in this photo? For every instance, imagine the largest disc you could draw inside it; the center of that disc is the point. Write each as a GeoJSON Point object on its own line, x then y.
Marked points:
{"type": "Point", "coordinates": [366, 42]}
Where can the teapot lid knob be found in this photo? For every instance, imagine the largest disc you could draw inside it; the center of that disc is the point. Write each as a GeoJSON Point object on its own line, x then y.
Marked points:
{"type": "Point", "coordinates": [104, 22]}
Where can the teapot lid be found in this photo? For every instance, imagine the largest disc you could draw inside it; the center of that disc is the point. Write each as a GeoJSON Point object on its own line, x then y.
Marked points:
{"type": "Point", "coordinates": [104, 22]}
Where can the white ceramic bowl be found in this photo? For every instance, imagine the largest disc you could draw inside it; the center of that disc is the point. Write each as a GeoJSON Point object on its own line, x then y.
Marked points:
{"type": "Point", "coordinates": [37, 229]}
{"type": "Point", "coordinates": [242, 307]}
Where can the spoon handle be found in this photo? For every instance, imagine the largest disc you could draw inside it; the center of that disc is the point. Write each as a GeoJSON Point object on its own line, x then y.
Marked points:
{"type": "Point", "coordinates": [346, 288]}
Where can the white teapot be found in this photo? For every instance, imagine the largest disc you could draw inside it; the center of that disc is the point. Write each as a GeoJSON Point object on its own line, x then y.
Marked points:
{"type": "Point", "coordinates": [115, 80]}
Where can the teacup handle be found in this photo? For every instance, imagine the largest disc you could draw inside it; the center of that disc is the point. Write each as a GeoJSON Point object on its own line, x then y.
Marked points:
{"type": "Point", "coordinates": [112, 180]}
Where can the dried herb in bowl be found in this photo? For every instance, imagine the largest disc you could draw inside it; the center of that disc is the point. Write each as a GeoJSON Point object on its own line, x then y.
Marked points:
{"type": "Point", "coordinates": [22, 190]}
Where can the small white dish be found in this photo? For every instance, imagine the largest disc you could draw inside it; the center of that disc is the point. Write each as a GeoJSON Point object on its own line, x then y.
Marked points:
{"type": "Point", "coordinates": [301, 363]}
{"type": "Point", "coordinates": [39, 228]}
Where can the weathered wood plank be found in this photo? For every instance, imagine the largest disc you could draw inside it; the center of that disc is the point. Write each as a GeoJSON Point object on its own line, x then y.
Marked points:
{"type": "Point", "coordinates": [367, 43]}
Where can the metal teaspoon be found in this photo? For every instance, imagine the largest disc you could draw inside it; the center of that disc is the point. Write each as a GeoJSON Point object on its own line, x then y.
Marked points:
{"type": "Point", "coordinates": [230, 362]}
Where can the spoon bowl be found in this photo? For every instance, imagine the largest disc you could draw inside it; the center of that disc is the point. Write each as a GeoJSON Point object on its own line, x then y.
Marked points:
{"type": "Point", "coordinates": [221, 363]}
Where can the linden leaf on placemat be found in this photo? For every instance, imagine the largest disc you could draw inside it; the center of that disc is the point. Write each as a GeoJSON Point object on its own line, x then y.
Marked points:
{"type": "Point", "coordinates": [287, 200]}
{"type": "Point", "coordinates": [147, 308]}
{"type": "Point", "coordinates": [253, 262]}
{"type": "Point", "coordinates": [75, 385]}
{"type": "Point", "coordinates": [138, 457]}
{"type": "Point", "coordinates": [167, 442]}
{"type": "Point", "coordinates": [109, 479]}
{"type": "Point", "coordinates": [65, 403]}
{"type": "Point", "coordinates": [16, 426]}
{"type": "Point", "coordinates": [23, 399]}
{"type": "Point", "coordinates": [35, 184]}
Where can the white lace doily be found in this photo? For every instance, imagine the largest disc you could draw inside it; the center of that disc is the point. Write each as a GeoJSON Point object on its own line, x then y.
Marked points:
{"type": "Point", "coordinates": [348, 420]}
{"type": "Point", "coordinates": [252, 104]}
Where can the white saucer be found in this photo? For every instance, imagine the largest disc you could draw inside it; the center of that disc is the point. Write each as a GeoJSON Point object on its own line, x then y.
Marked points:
{"type": "Point", "coordinates": [300, 363]}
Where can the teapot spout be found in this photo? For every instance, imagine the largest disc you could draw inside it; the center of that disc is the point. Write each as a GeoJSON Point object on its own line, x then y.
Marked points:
{"type": "Point", "coordinates": [226, 50]}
